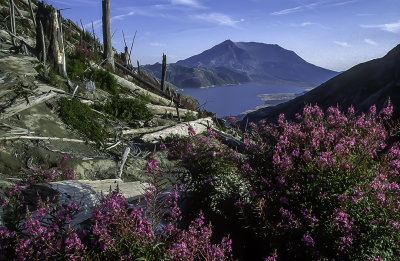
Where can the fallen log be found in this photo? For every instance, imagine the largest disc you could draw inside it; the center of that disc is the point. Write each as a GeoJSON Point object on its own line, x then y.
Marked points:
{"type": "Point", "coordinates": [133, 87]}
{"type": "Point", "coordinates": [181, 129]}
{"type": "Point", "coordinates": [24, 137]}
{"type": "Point", "coordinates": [161, 110]}
{"type": "Point", "coordinates": [144, 130]}
{"type": "Point", "coordinates": [21, 104]}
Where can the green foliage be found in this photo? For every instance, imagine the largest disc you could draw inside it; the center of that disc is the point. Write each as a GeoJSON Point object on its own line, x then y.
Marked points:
{"type": "Point", "coordinates": [127, 109]}
{"type": "Point", "coordinates": [189, 116]}
{"type": "Point", "coordinates": [104, 80]}
{"type": "Point", "coordinates": [214, 178]}
{"type": "Point", "coordinates": [53, 78]}
{"type": "Point", "coordinates": [79, 116]}
{"type": "Point", "coordinates": [75, 67]}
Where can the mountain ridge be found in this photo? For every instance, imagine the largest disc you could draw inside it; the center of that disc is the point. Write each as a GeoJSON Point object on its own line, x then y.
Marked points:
{"type": "Point", "coordinates": [366, 84]}
{"type": "Point", "coordinates": [249, 62]}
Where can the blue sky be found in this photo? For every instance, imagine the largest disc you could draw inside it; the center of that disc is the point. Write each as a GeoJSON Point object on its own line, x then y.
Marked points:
{"type": "Point", "coordinates": [335, 34]}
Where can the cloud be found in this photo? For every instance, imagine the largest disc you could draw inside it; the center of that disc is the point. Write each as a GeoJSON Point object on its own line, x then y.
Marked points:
{"type": "Point", "coordinates": [324, 3]}
{"type": "Point", "coordinates": [369, 41]}
{"type": "Point", "coordinates": [288, 11]}
{"type": "Point", "coordinates": [121, 17]}
{"type": "Point", "coordinates": [393, 27]}
{"type": "Point", "coordinates": [343, 44]}
{"type": "Point", "coordinates": [304, 24]}
{"type": "Point", "coordinates": [157, 44]}
{"type": "Point", "coordinates": [218, 18]}
{"type": "Point", "coordinates": [191, 3]}
{"type": "Point", "coordinates": [343, 3]}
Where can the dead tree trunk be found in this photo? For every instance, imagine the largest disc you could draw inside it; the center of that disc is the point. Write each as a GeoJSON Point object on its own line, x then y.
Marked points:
{"type": "Point", "coordinates": [53, 49]}
{"type": "Point", "coordinates": [32, 14]}
{"type": "Point", "coordinates": [138, 67]}
{"type": "Point", "coordinates": [12, 20]}
{"type": "Point", "coordinates": [163, 70]}
{"type": "Point", "coordinates": [108, 51]}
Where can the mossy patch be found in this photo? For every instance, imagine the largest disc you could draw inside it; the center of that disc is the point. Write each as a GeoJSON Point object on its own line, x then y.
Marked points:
{"type": "Point", "coordinates": [80, 117]}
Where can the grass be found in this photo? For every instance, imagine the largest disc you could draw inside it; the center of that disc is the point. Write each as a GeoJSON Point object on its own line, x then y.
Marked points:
{"type": "Point", "coordinates": [80, 117]}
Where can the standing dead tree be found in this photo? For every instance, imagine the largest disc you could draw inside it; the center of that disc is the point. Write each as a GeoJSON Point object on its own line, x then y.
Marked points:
{"type": "Point", "coordinates": [12, 19]}
{"type": "Point", "coordinates": [32, 13]}
{"type": "Point", "coordinates": [49, 37]}
{"type": "Point", "coordinates": [108, 51]}
{"type": "Point", "coordinates": [163, 70]}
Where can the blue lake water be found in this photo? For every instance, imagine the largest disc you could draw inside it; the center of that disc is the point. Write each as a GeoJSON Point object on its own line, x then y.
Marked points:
{"type": "Point", "coordinates": [236, 99]}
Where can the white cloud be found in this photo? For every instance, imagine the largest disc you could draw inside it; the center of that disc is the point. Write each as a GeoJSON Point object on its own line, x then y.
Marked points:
{"type": "Point", "coordinates": [343, 3]}
{"type": "Point", "coordinates": [121, 17]}
{"type": "Point", "coordinates": [157, 44]}
{"type": "Point", "coordinates": [369, 41]}
{"type": "Point", "coordinates": [304, 24]}
{"type": "Point", "coordinates": [323, 3]}
{"type": "Point", "coordinates": [218, 18]}
{"type": "Point", "coordinates": [343, 44]}
{"type": "Point", "coordinates": [191, 3]}
{"type": "Point", "coordinates": [288, 11]}
{"type": "Point", "coordinates": [393, 27]}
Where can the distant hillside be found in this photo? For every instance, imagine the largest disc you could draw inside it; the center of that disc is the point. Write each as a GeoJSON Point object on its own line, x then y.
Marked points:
{"type": "Point", "coordinates": [184, 77]}
{"type": "Point", "coordinates": [363, 85]}
{"type": "Point", "coordinates": [263, 63]}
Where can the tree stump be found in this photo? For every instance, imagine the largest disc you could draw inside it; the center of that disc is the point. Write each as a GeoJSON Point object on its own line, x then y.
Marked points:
{"type": "Point", "coordinates": [49, 37]}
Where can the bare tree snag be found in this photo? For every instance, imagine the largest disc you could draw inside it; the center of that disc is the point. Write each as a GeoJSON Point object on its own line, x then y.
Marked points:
{"type": "Point", "coordinates": [138, 67]}
{"type": "Point", "coordinates": [12, 20]}
{"type": "Point", "coordinates": [163, 70]}
{"type": "Point", "coordinates": [130, 51]}
{"type": "Point", "coordinates": [32, 14]}
{"type": "Point", "coordinates": [123, 160]}
{"type": "Point", "coordinates": [53, 48]}
{"type": "Point", "coordinates": [108, 51]}
{"type": "Point", "coordinates": [43, 42]}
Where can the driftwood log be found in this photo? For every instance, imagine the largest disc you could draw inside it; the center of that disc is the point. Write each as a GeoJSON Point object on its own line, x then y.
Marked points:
{"type": "Point", "coordinates": [53, 51]}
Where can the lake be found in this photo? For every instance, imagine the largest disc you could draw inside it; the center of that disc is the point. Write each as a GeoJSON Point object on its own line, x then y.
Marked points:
{"type": "Point", "coordinates": [236, 99]}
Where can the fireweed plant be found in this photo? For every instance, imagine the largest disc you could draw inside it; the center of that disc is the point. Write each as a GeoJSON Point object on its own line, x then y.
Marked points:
{"type": "Point", "coordinates": [116, 231]}
{"type": "Point", "coordinates": [324, 187]}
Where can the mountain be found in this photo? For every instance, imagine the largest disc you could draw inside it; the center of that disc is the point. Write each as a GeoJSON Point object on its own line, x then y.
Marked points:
{"type": "Point", "coordinates": [240, 62]}
{"type": "Point", "coordinates": [366, 84]}
{"type": "Point", "coordinates": [182, 76]}
{"type": "Point", "coordinates": [263, 63]}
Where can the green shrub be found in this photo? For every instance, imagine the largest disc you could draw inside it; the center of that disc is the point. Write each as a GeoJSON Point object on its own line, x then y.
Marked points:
{"type": "Point", "coordinates": [189, 116]}
{"type": "Point", "coordinates": [104, 80]}
{"type": "Point", "coordinates": [75, 68]}
{"type": "Point", "coordinates": [127, 109]}
{"type": "Point", "coordinates": [53, 78]}
{"type": "Point", "coordinates": [79, 116]}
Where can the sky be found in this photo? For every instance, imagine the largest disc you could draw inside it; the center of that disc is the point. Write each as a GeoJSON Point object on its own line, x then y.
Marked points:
{"type": "Point", "coordinates": [334, 34]}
